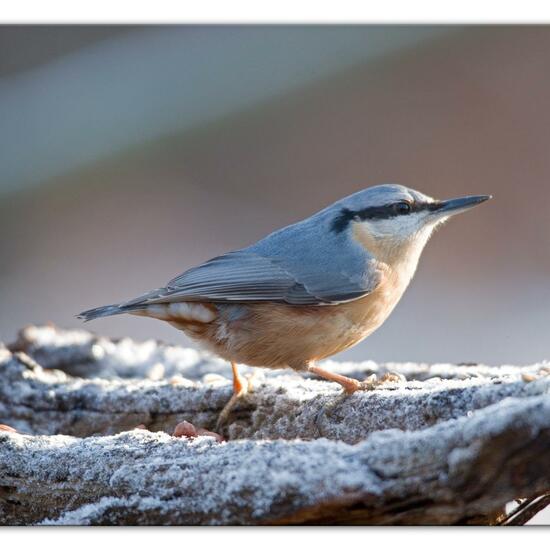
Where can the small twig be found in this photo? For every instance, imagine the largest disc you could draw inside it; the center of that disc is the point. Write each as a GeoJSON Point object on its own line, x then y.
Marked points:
{"type": "Point", "coordinates": [526, 510]}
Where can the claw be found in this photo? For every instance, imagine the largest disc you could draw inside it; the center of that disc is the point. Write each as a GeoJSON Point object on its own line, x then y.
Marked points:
{"type": "Point", "coordinates": [241, 386]}
{"type": "Point", "coordinates": [370, 383]}
{"type": "Point", "coordinates": [393, 377]}
{"type": "Point", "coordinates": [226, 411]}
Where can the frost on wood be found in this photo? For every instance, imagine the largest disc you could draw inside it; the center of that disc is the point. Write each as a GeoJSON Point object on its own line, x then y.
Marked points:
{"type": "Point", "coordinates": [452, 444]}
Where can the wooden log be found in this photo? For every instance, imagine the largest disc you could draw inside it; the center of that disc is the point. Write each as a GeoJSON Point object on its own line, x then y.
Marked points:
{"type": "Point", "coordinates": [453, 444]}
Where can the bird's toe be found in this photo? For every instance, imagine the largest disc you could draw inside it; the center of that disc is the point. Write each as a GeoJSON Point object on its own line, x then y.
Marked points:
{"type": "Point", "coordinates": [370, 383]}
{"type": "Point", "coordinates": [391, 376]}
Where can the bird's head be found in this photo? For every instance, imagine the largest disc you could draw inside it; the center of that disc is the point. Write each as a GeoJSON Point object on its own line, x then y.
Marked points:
{"type": "Point", "coordinates": [393, 220]}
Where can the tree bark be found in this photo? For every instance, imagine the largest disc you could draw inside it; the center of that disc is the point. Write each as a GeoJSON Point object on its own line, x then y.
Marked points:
{"type": "Point", "coordinates": [453, 444]}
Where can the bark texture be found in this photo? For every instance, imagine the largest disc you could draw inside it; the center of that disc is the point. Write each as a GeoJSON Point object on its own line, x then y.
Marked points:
{"type": "Point", "coordinates": [452, 444]}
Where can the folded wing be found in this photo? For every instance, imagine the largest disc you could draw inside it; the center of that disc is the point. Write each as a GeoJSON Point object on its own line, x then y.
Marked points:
{"type": "Point", "coordinates": [245, 276]}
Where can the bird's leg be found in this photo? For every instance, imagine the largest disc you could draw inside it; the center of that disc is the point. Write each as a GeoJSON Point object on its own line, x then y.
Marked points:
{"type": "Point", "coordinates": [350, 385]}
{"type": "Point", "coordinates": [240, 388]}
{"type": "Point", "coordinates": [391, 376]}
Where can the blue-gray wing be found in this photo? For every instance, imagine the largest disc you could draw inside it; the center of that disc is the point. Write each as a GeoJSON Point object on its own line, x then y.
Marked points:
{"type": "Point", "coordinates": [248, 276]}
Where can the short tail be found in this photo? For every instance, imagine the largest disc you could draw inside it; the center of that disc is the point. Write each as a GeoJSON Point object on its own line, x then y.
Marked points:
{"type": "Point", "coordinates": [103, 311]}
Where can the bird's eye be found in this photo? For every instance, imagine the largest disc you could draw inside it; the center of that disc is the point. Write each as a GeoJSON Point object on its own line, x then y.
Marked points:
{"type": "Point", "coordinates": [402, 207]}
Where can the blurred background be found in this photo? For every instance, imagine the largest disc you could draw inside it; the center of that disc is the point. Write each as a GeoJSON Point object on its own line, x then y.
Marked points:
{"type": "Point", "coordinates": [129, 154]}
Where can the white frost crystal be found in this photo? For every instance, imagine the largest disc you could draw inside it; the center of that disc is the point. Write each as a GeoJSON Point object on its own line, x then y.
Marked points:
{"type": "Point", "coordinates": [439, 443]}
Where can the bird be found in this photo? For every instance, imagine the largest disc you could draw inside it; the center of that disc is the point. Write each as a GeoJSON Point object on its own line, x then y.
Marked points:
{"type": "Point", "coordinates": [304, 292]}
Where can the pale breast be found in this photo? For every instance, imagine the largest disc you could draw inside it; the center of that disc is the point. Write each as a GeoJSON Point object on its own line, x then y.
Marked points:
{"type": "Point", "coordinates": [278, 335]}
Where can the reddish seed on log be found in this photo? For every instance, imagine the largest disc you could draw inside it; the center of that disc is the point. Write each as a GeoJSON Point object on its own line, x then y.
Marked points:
{"type": "Point", "coordinates": [186, 429]}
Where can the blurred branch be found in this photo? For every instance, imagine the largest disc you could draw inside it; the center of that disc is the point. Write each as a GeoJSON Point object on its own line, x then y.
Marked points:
{"type": "Point", "coordinates": [526, 510]}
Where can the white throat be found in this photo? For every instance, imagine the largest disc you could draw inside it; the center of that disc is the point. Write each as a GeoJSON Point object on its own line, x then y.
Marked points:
{"type": "Point", "coordinates": [400, 253]}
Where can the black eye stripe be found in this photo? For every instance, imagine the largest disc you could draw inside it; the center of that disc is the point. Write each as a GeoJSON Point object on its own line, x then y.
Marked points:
{"type": "Point", "coordinates": [345, 216]}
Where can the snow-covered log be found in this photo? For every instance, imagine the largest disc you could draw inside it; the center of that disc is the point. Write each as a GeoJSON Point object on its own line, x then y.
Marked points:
{"type": "Point", "coordinates": [451, 444]}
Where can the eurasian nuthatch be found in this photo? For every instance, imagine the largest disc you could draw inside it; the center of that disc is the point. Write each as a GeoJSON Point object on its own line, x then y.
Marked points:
{"type": "Point", "coordinates": [306, 291]}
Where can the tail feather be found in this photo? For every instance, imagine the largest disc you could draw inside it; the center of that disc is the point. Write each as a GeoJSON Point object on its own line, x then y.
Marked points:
{"type": "Point", "coordinates": [103, 311]}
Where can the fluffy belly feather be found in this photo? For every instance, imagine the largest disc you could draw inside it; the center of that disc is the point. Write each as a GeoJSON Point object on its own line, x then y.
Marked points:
{"type": "Point", "coordinates": [278, 335]}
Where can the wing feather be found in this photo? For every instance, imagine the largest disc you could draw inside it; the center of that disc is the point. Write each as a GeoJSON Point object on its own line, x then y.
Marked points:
{"type": "Point", "coordinates": [246, 276]}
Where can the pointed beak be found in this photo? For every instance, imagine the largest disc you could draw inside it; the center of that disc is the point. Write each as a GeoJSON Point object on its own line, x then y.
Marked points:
{"type": "Point", "coordinates": [455, 206]}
